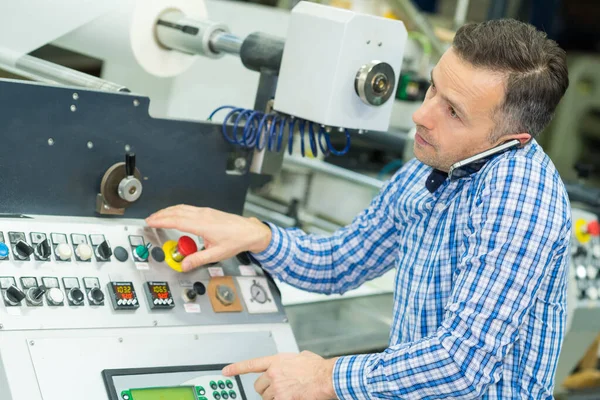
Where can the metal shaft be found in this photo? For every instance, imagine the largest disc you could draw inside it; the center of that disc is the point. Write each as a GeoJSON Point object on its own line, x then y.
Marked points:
{"type": "Point", "coordinates": [334, 171]}
{"type": "Point", "coordinates": [45, 71]}
{"type": "Point", "coordinates": [222, 42]}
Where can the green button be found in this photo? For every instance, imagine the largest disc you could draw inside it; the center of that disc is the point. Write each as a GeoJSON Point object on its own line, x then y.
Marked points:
{"type": "Point", "coordinates": [224, 395]}
{"type": "Point", "coordinates": [213, 385]}
{"type": "Point", "coordinates": [229, 384]}
{"type": "Point", "coordinates": [201, 391]}
{"type": "Point", "coordinates": [221, 385]}
{"type": "Point", "coordinates": [202, 398]}
{"type": "Point", "coordinates": [232, 394]}
{"type": "Point", "coordinates": [217, 395]}
{"type": "Point", "coordinates": [142, 252]}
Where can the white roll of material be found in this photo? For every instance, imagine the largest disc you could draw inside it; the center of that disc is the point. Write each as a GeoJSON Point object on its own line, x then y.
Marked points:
{"type": "Point", "coordinates": [127, 36]}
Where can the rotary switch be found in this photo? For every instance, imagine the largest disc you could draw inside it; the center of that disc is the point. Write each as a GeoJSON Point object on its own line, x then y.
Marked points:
{"type": "Point", "coordinates": [22, 250]}
{"type": "Point", "coordinates": [36, 294]}
{"type": "Point", "coordinates": [13, 295]}
{"type": "Point", "coordinates": [103, 251]}
{"type": "Point", "coordinates": [63, 252]}
{"type": "Point", "coordinates": [43, 250]}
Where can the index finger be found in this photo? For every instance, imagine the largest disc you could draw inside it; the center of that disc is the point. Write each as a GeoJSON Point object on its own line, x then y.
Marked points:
{"type": "Point", "coordinates": [245, 367]}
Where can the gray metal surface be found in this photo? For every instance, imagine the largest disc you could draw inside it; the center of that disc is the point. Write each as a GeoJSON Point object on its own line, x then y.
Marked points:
{"type": "Point", "coordinates": [346, 326]}
{"type": "Point", "coordinates": [58, 142]}
{"type": "Point", "coordinates": [53, 358]}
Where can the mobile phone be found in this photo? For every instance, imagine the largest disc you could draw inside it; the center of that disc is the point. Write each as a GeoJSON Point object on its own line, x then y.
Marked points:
{"type": "Point", "coordinates": [473, 164]}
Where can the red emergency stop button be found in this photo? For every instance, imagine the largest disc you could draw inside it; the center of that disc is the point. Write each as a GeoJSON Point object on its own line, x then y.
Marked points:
{"type": "Point", "coordinates": [593, 228]}
{"type": "Point", "coordinates": [186, 246]}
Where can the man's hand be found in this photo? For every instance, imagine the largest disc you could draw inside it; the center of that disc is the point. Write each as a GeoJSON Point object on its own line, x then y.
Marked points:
{"type": "Point", "coordinates": [304, 376]}
{"type": "Point", "coordinates": [225, 235]}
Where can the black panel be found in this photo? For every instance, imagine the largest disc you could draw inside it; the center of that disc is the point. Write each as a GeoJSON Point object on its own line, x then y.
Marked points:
{"type": "Point", "coordinates": [183, 161]}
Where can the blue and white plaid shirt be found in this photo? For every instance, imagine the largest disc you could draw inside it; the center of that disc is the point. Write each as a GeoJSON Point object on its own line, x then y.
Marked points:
{"type": "Point", "coordinates": [480, 300]}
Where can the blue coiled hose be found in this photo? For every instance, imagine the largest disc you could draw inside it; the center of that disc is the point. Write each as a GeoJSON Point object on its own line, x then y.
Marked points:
{"type": "Point", "coordinates": [259, 130]}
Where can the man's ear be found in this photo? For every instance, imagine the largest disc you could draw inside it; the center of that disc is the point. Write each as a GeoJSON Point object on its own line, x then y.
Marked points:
{"type": "Point", "coordinates": [521, 137]}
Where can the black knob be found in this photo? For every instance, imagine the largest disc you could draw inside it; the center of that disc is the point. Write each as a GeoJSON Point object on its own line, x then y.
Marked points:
{"type": "Point", "coordinates": [76, 295]}
{"type": "Point", "coordinates": [129, 164]}
{"type": "Point", "coordinates": [244, 258]}
{"type": "Point", "coordinates": [14, 295]}
{"type": "Point", "coordinates": [191, 294]}
{"type": "Point", "coordinates": [43, 249]}
{"type": "Point", "coordinates": [199, 288]}
{"type": "Point", "coordinates": [37, 293]}
{"type": "Point", "coordinates": [121, 254]}
{"type": "Point", "coordinates": [23, 250]}
{"type": "Point", "coordinates": [103, 251]}
{"type": "Point", "coordinates": [158, 254]}
{"type": "Point", "coordinates": [96, 296]}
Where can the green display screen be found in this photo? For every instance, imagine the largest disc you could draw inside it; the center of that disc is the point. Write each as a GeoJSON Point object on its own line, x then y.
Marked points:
{"type": "Point", "coordinates": [167, 393]}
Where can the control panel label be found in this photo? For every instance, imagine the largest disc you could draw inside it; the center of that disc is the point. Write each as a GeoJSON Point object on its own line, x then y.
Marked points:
{"type": "Point", "coordinates": [215, 271]}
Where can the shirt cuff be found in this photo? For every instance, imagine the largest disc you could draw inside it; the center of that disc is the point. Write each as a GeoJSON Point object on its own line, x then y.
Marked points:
{"type": "Point", "coordinates": [349, 376]}
{"type": "Point", "coordinates": [273, 256]}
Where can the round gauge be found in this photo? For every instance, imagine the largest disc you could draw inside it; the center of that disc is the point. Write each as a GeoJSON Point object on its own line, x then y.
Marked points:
{"type": "Point", "coordinates": [259, 294]}
{"type": "Point", "coordinates": [225, 294]}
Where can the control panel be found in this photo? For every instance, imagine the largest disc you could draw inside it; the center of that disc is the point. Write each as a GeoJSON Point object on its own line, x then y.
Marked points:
{"type": "Point", "coordinates": [87, 272]}
{"type": "Point", "coordinates": [585, 256]}
{"type": "Point", "coordinates": [100, 309]}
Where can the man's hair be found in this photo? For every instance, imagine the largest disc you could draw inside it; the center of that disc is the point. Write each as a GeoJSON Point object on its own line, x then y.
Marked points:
{"type": "Point", "coordinates": [535, 69]}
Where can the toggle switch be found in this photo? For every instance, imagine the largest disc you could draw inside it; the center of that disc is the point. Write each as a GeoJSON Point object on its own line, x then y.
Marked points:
{"type": "Point", "coordinates": [13, 296]}
{"type": "Point", "coordinates": [23, 250]}
{"type": "Point", "coordinates": [43, 250]}
{"type": "Point", "coordinates": [103, 251]}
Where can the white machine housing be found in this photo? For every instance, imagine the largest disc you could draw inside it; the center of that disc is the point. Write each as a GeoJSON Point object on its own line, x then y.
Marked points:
{"type": "Point", "coordinates": [325, 49]}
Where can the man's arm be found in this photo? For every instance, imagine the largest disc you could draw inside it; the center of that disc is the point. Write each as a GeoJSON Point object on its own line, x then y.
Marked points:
{"type": "Point", "coordinates": [519, 235]}
{"type": "Point", "coordinates": [354, 254]}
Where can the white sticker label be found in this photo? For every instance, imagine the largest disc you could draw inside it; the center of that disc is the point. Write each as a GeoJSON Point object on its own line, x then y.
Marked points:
{"type": "Point", "coordinates": [215, 271]}
{"type": "Point", "coordinates": [192, 308]}
{"type": "Point", "coordinates": [247, 270]}
{"type": "Point", "coordinates": [142, 266]}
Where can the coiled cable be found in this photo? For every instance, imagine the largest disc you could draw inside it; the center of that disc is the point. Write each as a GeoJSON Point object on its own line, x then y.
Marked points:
{"type": "Point", "coordinates": [260, 130]}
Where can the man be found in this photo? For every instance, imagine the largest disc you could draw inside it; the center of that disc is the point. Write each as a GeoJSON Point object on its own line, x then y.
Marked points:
{"type": "Point", "coordinates": [480, 300]}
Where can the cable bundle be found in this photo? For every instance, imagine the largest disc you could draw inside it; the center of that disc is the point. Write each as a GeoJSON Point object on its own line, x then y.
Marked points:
{"type": "Point", "coordinates": [259, 130]}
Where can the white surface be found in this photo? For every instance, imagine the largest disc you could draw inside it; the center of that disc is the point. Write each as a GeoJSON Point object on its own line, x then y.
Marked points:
{"type": "Point", "coordinates": [28, 24]}
{"type": "Point", "coordinates": [126, 37]}
{"type": "Point", "coordinates": [325, 48]}
{"type": "Point", "coordinates": [291, 295]}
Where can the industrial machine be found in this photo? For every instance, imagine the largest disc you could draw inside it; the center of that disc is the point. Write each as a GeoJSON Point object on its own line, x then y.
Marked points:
{"type": "Point", "coordinates": [93, 303]}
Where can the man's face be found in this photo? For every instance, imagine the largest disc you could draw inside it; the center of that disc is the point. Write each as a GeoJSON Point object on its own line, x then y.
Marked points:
{"type": "Point", "coordinates": [455, 120]}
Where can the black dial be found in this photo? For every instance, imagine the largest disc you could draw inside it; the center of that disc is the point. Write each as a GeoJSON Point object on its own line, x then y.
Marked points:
{"type": "Point", "coordinates": [96, 296]}
{"type": "Point", "coordinates": [43, 250]}
{"type": "Point", "coordinates": [103, 251]}
{"type": "Point", "coordinates": [14, 295]}
{"type": "Point", "coordinates": [76, 296]}
{"type": "Point", "coordinates": [23, 250]}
